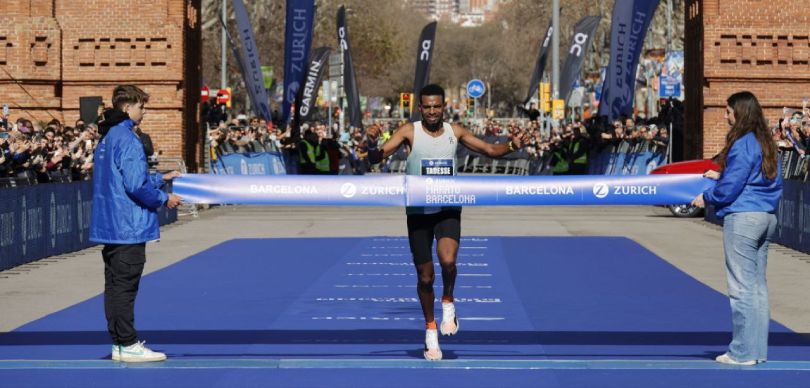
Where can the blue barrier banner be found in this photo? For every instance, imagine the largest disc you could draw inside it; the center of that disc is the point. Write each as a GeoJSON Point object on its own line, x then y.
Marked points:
{"type": "Point", "coordinates": [259, 163]}
{"type": "Point", "coordinates": [384, 190]}
{"type": "Point", "coordinates": [47, 220]}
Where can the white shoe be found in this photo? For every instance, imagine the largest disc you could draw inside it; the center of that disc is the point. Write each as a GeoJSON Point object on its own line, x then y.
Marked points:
{"type": "Point", "coordinates": [449, 319]}
{"type": "Point", "coordinates": [116, 353]}
{"type": "Point", "coordinates": [432, 351]}
{"type": "Point", "coordinates": [137, 352]}
{"type": "Point", "coordinates": [726, 359]}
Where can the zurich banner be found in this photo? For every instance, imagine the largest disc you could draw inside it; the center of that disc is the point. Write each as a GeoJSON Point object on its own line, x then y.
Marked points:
{"type": "Point", "coordinates": [297, 41]}
{"type": "Point", "coordinates": [445, 191]}
{"type": "Point", "coordinates": [292, 190]}
{"type": "Point", "coordinates": [631, 18]}
{"type": "Point", "coordinates": [250, 63]}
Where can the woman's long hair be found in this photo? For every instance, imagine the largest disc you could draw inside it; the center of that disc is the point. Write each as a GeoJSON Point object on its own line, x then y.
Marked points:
{"type": "Point", "coordinates": [748, 117]}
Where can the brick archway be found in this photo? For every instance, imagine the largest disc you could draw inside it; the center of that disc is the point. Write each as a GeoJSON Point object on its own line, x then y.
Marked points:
{"type": "Point", "coordinates": [762, 46]}
{"type": "Point", "coordinates": [54, 51]}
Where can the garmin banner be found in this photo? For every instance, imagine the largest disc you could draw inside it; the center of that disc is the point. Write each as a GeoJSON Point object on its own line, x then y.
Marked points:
{"type": "Point", "coordinates": [631, 18]}
{"type": "Point", "coordinates": [297, 41]}
{"type": "Point", "coordinates": [355, 116]}
{"type": "Point", "coordinates": [252, 66]}
{"type": "Point", "coordinates": [580, 44]}
{"type": "Point", "coordinates": [258, 163]}
{"type": "Point", "coordinates": [424, 53]}
{"type": "Point", "coordinates": [305, 101]}
{"type": "Point", "coordinates": [445, 191]}
{"type": "Point", "coordinates": [540, 65]}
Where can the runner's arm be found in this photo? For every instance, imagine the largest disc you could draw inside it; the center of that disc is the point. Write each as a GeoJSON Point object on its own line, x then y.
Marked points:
{"type": "Point", "coordinates": [389, 147]}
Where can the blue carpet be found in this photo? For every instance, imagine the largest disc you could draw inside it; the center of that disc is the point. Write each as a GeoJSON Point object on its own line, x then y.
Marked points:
{"type": "Point", "coordinates": [521, 298]}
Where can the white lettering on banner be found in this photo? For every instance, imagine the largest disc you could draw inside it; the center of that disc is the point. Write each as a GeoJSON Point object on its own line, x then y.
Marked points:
{"type": "Point", "coordinates": [342, 35]}
{"type": "Point", "coordinates": [579, 40]}
{"type": "Point", "coordinates": [382, 190]}
{"type": "Point", "coordinates": [548, 37]}
{"type": "Point", "coordinates": [6, 229]}
{"type": "Point", "coordinates": [635, 190]}
{"type": "Point", "coordinates": [282, 189]}
{"type": "Point", "coordinates": [53, 220]}
{"type": "Point", "coordinates": [450, 199]}
{"type": "Point", "coordinates": [539, 190]}
{"type": "Point", "coordinates": [425, 54]}
{"type": "Point", "coordinates": [310, 86]}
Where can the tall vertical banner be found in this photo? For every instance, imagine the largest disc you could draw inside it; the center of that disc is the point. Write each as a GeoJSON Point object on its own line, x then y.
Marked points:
{"type": "Point", "coordinates": [631, 19]}
{"type": "Point", "coordinates": [540, 64]}
{"type": "Point", "coordinates": [424, 53]}
{"type": "Point", "coordinates": [297, 41]}
{"type": "Point", "coordinates": [580, 43]}
{"type": "Point", "coordinates": [235, 51]}
{"type": "Point", "coordinates": [252, 66]}
{"type": "Point", "coordinates": [305, 101]}
{"type": "Point", "coordinates": [349, 79]}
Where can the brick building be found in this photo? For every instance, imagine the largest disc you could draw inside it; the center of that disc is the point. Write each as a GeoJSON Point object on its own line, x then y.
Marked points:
{"type": "Point", "coordinates": [732, 45]}
{"type": "Point", "coordinates": [54, 51]}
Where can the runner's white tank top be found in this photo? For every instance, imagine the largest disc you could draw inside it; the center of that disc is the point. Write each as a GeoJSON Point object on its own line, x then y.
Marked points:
{"type": "Point", "coordinates": [432, 156]}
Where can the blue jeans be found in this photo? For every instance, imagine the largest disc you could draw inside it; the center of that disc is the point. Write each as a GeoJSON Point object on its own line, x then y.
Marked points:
{"type": "Point", "coordinates": [745, 241]}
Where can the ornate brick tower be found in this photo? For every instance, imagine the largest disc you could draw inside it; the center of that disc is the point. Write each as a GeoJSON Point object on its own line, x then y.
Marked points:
{"type": "Point", "coordinates": [762, 46]}
{"type": "Point", "coordinates": [54, 51]}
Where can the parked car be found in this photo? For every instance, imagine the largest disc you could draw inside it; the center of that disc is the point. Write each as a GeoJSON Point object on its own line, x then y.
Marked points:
{"type": "Point", "coordinates": [687, 167]}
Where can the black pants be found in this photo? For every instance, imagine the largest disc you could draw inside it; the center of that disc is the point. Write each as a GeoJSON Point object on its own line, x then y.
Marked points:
{"type": "Point", "coordinates": [123, 267]}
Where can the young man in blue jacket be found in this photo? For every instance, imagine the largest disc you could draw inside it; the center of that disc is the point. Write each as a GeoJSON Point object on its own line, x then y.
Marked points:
{"type": "Point", "coordinates": [125, 203]}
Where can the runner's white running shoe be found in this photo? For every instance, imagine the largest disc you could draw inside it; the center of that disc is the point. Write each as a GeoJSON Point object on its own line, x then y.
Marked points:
{"type": "Point", "coordinates": [432, 351]}
{"type": "Point", "coordinates": [137, 352]}
{"type": "Point", "coordinates": [449, 319]}
{"type": "Point", "coordinates": [116, 353]}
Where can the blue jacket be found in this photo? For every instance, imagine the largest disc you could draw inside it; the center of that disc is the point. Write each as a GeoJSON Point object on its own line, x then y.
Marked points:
{"type": "Point", "coordinates": [125, 196]}
{"type": "Point", "coordinates": [742, 186]}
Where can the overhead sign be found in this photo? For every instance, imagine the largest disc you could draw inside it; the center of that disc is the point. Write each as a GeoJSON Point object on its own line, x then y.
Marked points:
{"type": "Point", "coordinates": [476, 88]}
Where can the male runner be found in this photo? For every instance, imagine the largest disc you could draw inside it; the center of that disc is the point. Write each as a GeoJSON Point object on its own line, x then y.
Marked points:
{"type": "Point", "coordinates": [433, 149]}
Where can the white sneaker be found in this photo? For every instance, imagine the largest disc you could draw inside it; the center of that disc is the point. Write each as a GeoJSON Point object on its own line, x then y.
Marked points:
{"type": "Point", "coordinates": [137, 352]}
{"type": "Point", "coordinates": [116, 353]}
{"type": "Point", "coordinates": [432, 351]}
{"type": "Point", "coordinates": [726, 359]}
{"type": "Point", "coordinates": [449, 320]}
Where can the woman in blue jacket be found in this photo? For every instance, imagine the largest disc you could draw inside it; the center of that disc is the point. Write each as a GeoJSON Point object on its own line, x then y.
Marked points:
{"type": "Point", "coordinates": [746, 196]}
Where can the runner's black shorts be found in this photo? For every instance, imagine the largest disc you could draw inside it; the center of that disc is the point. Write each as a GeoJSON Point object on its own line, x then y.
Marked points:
{"type": "Point", "coordinates": [423, 228]}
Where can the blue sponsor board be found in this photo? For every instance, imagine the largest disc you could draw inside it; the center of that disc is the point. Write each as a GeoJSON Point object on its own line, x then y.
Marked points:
{"type": "Point", "coordinates": [258, 163]}
{"type": "Point", "coordinates": [440, 191]}
{"type": "Point", "coordinates": [48, 219]}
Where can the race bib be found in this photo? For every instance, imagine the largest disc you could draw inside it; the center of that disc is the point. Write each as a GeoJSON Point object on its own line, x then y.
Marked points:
{"type": "Point", "coordinates": [440, 167]}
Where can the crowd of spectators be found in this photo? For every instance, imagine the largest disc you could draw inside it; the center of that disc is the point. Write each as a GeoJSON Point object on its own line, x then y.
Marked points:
{"type": "Point", "coordinates": [552, 149]}
{"type": "Point", "coordinates": [39, 153]}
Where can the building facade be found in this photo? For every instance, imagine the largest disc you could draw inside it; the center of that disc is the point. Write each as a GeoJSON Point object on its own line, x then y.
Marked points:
{"type": "Point", "coordinates": [735, 45]}
{"type": "Point", "coordinates": [52, 52]}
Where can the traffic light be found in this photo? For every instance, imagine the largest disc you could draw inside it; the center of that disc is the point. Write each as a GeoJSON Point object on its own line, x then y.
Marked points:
{"type": "Point", "coordinates": [545, 97]}
{"type": "Point", "coordinates": [471, 106]}
{"type": "Point", "coordinates": [406, 102]}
